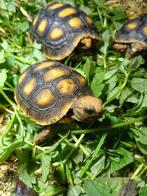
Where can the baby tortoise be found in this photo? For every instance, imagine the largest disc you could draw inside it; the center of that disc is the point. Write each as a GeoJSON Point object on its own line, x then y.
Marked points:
{"type": "Point", "coordinates": [48, 90]}
{"type": "Point", "coordinates": [60, 28]}
{"type": "Point", "coordinates": [132, 36]}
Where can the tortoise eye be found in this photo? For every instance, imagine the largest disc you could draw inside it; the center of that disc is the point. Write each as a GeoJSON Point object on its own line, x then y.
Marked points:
{"type": "Point", "coordinates": [89, 110]}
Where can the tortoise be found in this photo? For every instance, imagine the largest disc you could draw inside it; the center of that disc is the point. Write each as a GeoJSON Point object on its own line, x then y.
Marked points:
{"type": "Point", "coordinates": [48, 91]}
{"type": "Point", "coordinates": [60, 28]}
{"type": "Point", "coordinates": [131, 38]}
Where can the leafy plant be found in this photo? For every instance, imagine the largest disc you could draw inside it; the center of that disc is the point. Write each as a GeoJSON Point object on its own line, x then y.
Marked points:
{"type": "Point", "coordinates": [106, 158]}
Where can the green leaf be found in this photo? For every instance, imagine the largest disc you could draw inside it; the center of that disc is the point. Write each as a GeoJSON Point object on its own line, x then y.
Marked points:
{"type": "Point", "coordinates": [97, 84]}
{"type": "Point", "coordinates": [11, 7]}
{"type": "Point", "coordinates": [75, 191]}
{"type": "Point", "coordinates": [5, 45]}
{"type": "Point", "coordinates": [119, 13]}
{"type": "Point", "coordinates": [132, 99]}
{"type": "Point", "coordinates": [109, 73]}
{"type": "Point", "coordinates": [94, 188]}
{"type": "Point", "coordinates": [52, 190]}
{"type": "Point", "coordinates": [26, 168]}
{"type": "Point", "coordinates": [89, 68]}
{"type": "Point", "coordinates": [109, 186]}
{"type": "Point", "coordinates": [6, 152]}
{"type": "Point", "coordinates": [99, 166]}
{"type": "Point", "coordinates": [143, 191]}
{"type": "Point", "coordinates": [113, 94]}
{"type": "Point", "coordinates": [106, 39]}
{"type": "Point", "coordinates": [111, 82]}
{"type": "Point", "coordinates": [3, 5]}
{"type": "Point", "coordinates": [126, 157]}
{"type": "Point", "coordinates": [141, 138]}
{"type": "Point", "coordinates": [139, 84]}
{"type": "Point", "coordinates": [144, 103]}
{"type": "Point", "coordinates": [3, 77]}
{"type": "Point", "coordinates": [125, 93]}
{"type": "Point", "coordinates": [2, 56]}
{"type": "Point", "coordinates": [45, 164]}
{"type": "Point", "coordinates": [23, 26]}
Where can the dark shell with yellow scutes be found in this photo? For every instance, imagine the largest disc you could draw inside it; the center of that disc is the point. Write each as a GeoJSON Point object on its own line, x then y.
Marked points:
{"type": "Point", "coordinates": [59, 28]}
{"type": "Point", "coordinates": [46, 90]}
{"type": "Point", "coordinates": [134, 30]}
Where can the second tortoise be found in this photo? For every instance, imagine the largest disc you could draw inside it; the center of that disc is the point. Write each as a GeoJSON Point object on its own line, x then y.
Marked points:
{"type": "Point", "coordinates": [131, 38]}
{"type": "Point", "coordinates": [60, 28]}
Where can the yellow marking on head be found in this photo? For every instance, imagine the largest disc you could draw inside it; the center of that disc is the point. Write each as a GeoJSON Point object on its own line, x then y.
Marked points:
{"type": "Point", "coordinates": [35, 20]}
{"type": "Point", "coordinates": [75, 22]}
{"type": "Point", "coordinates": [23, 76]}
{"type": "Point", "coordinates": [67, 12]}
{"type": "Point", "coordinates": [54, 73]}
{"type": "Point", "coordinates": [132, 25]}
{"type": "Point", "coordinates": [66, 87]}
{"type": "Point", "coordinates": [42, 25]}
{"type": "Point", "coordinates": [55, 6]}
{"type": "Point", "coordinates": [81, 80]}
{"type": "Point", "coordinates": [44, 65]}
{"type": "Point", "coordinates": [44, 98]}
{"type": "Point", "coordinates": [56, 33]}
{"type": "Point", "coordinates": [29, 86]}
{"type": "Point", "coordinates": [87, 42]}
{"type": "Point", "coordinates": [89, 20]}
{"type": "Point", "coordinates": [145, 30]}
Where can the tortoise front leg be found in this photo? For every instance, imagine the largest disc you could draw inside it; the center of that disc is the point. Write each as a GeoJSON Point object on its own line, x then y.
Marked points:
{"type": "Point", "coordinates": [43, 135]}
{"type": "Point", "coordinates": [135, 48]}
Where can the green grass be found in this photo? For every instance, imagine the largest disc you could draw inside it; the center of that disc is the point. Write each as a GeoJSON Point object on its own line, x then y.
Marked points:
{"type": "Point", "coordinates": [104, 159]}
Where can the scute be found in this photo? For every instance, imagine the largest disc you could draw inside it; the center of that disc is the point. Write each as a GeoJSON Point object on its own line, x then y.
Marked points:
{"type": "Point", "coordinates": [134, 30]}
{"type": "Point", "coordinates": [29, 87]}
{"type": "Point", "coordinates": [66, 87]}
{"type": "Point", "coordinates": [67, 12]}
{"type": "Point", "coordinates": [54, 74]}
{"type": "Point", "coordinates": [75, 22]}
{"type": "Point", "coordinates": [42, 25]}
{"type": "Point", "coordinates": [47, 102]}
{"type": "Point", "coordinates": [56, 34]}
{"type": "Point", "coordinates": [44, 98]}
{"type": "Point", "coordinates": [57, 26]}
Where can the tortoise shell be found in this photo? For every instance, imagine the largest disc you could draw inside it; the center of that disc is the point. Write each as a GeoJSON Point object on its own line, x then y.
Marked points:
{"type": "Point", "coordinates": [46, 90]}
{"type": "Point", "coordinates": [134, 30]}
{"type": "Point", "coordinates": [60, 28]}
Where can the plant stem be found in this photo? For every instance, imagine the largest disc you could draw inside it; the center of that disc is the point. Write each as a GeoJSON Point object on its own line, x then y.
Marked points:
{"type": "Point", "coordinates": [75, 147]}
{"type": "Point", "coordinates": [109, 127]}
{"type": "Point", "coordinates": [85, 151]}
{"type": "Point", "coordinates": [96, 151]}
{"type": "Point", "coordinates": [138, 170]}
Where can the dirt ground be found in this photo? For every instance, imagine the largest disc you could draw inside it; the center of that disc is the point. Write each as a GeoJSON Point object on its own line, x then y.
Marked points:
{"type": "Point", "coordinates": [133, 8]}
{"type": "Point", "coordinates": [7, 178]}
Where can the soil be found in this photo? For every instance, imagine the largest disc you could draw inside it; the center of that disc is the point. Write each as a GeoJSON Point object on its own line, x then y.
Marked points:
{"type": "Point", "coordinates": [132, 8]}
{"type": "Point", "coordinates": [7, 178]}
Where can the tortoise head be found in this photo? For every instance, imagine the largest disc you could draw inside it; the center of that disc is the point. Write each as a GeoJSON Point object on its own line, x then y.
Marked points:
{"type": "Point", "coordinates": [86, 108]}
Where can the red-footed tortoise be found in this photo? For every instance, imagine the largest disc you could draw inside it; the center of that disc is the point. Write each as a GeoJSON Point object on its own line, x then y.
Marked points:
{"type": "Point", "coordinates": [60, 28]}
{"type": "Point", "coordinates": [131, 38]}
{"type": "Point", "coordinates": [48, 90]}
